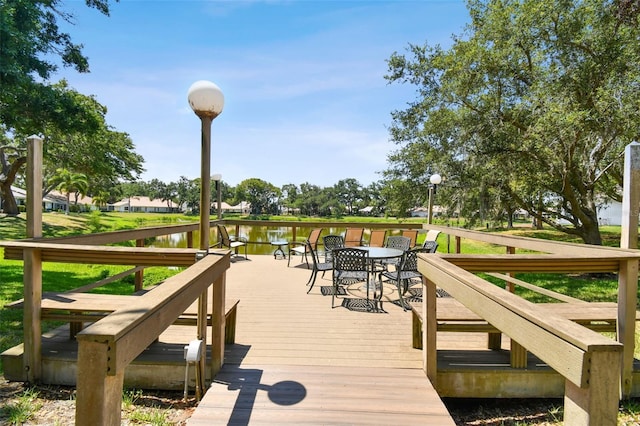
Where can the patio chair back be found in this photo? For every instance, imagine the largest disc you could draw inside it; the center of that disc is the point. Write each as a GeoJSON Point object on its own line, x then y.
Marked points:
{"type": "Point", "coordinates": [301, 248]}
{"type": "Point", "coordinates": [399, 242]}
{"type": "Point", "coordinates": [353, 237]}
{"type": "Point", "coordinates": [350, 264]}
{"type": "Point", "coordinates": [314, 237]}
{"type": "Point", "coordinates": [430, 246]}
{"type": "Point", "coordinates": [412, 234]}
{"type": "Point", "coordinates": [224, 235]}
{"type": "Point", "coordinates": [331, 242]}
{"type": "Point", "coordinates": [432, 235]}
{"type": "Point", "coordinates": [225, 240]}
{"type": "Point", "coordinates": [377, 237]}
{"type": "Point", "coordinates": [350, 259]}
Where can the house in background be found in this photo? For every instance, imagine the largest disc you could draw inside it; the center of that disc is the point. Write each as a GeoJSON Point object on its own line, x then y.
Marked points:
{"type": "Point", "coordinates": [242, 208]}
{"type": "Point", "coordinates": [610, 213]}
{"type": "Point", "coordinates": [144, 205]}
{"type": "Point", "coordinates": [424, 211]}
{"type": "Point", "coordinates": [53, 201]}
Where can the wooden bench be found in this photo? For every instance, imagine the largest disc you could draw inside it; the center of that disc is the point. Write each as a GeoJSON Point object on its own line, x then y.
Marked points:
{"type": "Point", "coordinates": [78, 308]}
{"type": "Point", "coordinates": [453, 316]}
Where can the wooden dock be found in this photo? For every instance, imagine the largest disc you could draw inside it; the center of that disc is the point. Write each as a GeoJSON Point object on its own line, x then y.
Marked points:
{"type": "Point", "coordinates": [298, 361]}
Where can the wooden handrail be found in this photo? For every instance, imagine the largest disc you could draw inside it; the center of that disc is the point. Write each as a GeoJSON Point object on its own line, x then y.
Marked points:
{"type": "Point", "coordinates": [557, 263]}
{"type": "Point", "coordinates": [106, 347]}
{"type": "Point", "coordinates": [101, 255]}
{"type": "Point", "coordinates": [528, 243]}
{"type": "Point", "coordinates": [589, 361]}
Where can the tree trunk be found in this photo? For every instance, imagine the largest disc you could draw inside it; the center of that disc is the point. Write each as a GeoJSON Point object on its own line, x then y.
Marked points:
{"type": "Point", "coordinates": [10, 205]}
{"type": "Point", "coordinates": [590, 230]}
{"type": "Point", "coordinates": [8, 174]}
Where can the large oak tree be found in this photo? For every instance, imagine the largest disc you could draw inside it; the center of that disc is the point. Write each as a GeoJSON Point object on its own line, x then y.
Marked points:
{"type": "Point", "coordinates": [530, 107]}
{"type": "Point", "coordinates": [77, 137]}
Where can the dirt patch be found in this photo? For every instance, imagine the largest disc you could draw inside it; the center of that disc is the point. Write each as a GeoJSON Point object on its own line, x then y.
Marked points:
{"type": "Point", "coordinates": [55, 405]}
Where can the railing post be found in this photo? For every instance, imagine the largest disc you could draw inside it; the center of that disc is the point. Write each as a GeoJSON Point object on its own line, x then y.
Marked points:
{"type": "Point", "coordinates": [139, 278]}
{"type": "Point", "coordinates": [32, 276]}
{"type": "Point", "coordinates": [626, 323]}
{"type": "Point", "coordinates": [510, 286]}
{"type": "Point", "coordinates": [429, 331]}
{"type": "Point", "coordinates": [597, 403]}
{"type": "Point", "coordinates": [628, 274]}
{"type": "Point", "coordinates": [202, 336]}
{"type": "Point", "coordinates": [630, 196]}
{"type": "Point", "coordinates": [218, 325]}
{"type": "Point", "coordinates": [99, 396]}
{"type": "Point", "coordinates": [32, 360]}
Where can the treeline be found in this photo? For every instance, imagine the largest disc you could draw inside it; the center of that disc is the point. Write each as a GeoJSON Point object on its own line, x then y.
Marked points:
{"type": "Point", "coordinates": [346, 197]}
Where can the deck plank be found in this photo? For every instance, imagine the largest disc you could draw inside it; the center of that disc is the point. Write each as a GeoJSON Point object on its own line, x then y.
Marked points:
{"type": "Point", "coordinates": [317, 395]}
{"type": "Point", "coordinates": [298, 361]}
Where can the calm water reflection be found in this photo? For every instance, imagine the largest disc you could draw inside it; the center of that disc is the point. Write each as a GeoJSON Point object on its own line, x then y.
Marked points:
{"type": "Point", "coordinates": [260, 237]}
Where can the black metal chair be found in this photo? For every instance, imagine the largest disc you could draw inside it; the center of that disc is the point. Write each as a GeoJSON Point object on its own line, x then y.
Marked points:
{"type": "Point", "coordinates": [406, 271]}
{"type": "Point", "coordinates": [225, 240]}
{"type": "Point", "coordinates": [331, 242]}
{"type": "Point", "coordinates": [431, 246]}
{"type": "Point", "coordinates": [317, 266]}
{"type": "Point", "coordinates": [397, 242]}
{"type": "Point", "coordinates": [350, 265]}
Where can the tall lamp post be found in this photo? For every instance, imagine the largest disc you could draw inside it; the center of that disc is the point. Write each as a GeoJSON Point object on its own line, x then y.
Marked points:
{"type": "Point", "coordinates": [217, 177]}
{"type": "Point", "coordinates": [207, 101]}
{"type": "Point", "coordinates": [434, 180]}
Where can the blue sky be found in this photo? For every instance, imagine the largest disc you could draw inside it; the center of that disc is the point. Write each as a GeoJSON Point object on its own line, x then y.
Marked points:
{"type": "Point", "coordinates": [305, 94]}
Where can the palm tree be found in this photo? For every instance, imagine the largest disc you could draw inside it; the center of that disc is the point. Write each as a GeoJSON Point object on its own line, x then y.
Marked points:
{"type": "Point", "coordinates": [101, 199]}
{"type": "Point", "coordinates": [69, 182]}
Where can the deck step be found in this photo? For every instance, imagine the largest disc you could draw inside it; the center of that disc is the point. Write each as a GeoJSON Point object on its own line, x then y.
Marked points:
{"type": "Point", "coordinates": [308, 395]}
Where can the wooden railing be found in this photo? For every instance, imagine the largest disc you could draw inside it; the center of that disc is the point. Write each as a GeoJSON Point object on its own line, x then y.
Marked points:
{"type": "Point", "coordinates": [453, 272]}
{"type": "Point", "coordinates": [561, 257]}
{"type": "Point", "coordinates": [596, 375]}
{"type": "Point", "coordinates": [589, 361]}
{"type": "Point", "coordinates": [106, 347]}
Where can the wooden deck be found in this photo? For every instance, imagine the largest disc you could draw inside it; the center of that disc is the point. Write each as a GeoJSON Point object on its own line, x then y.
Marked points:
{"type": "Point", "coordinates": [298, 361]}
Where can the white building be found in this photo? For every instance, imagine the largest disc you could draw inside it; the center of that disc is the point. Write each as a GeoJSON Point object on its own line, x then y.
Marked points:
{"type": "Point", "coordinates": [144, 205]}
{"type": "Point", "coordinates": [53, 201]}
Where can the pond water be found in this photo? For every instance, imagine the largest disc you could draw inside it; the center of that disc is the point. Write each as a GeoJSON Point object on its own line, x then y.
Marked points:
{"type": "Point", "coordinates": [259, 237]}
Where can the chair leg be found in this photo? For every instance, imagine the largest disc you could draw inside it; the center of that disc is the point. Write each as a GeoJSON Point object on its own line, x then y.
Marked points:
{"type": "Point", "coordinates": [313, 272]}
{"type": "Point", "coordinates": [401, 294]}
{"type": "Point", "coordinates": [333, 294]}
{"type": "Point", "coordinates": [314, 275]}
